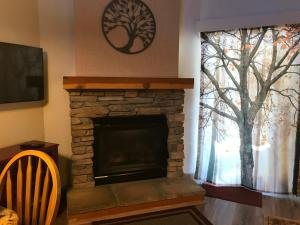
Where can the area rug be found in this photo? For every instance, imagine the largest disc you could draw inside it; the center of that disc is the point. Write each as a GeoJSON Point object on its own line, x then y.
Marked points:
{"type": "Point", "coordinates": [273, 220]}
{"type": "Point", "coordinates": [182, 216]}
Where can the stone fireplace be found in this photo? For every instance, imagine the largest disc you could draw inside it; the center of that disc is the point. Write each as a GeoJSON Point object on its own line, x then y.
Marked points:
{"type": "Point", "coordinates": [87, 104]}
{"type": "Point", "coordinates": [131, 123]}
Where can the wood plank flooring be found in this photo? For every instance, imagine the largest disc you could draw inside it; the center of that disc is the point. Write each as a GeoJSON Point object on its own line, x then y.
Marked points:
{"type": "Point", "coordinates": [221, 212]}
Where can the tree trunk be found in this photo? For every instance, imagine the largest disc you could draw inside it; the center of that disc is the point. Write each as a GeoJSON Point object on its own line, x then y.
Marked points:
{"type": "Point", "coordinates": [129, 45]}
{"type": "Point", "coordinates": [246, 155]}
{"type": "Point", "coordinates": [212, 158]}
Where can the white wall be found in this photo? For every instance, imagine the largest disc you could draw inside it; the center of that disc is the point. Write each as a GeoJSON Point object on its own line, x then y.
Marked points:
{"type": "Point", "coordinates": [229, 14]}
{"type": "Point", "coordinates": [189, 66]}
{"type": "Point", "coordinates": [216, 9]}
{"type": "Point", "coordinates": [56, 37]}
{"type": "Point", "coordinates": [21, 121]}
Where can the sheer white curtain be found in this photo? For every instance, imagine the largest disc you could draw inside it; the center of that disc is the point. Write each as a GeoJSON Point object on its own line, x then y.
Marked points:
{"type": "Point", "coordinates": [274, 130]}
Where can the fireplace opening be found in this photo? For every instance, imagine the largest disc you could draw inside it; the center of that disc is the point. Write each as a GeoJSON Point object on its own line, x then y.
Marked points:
{"type": "Point", "coordinates": [130, 148]}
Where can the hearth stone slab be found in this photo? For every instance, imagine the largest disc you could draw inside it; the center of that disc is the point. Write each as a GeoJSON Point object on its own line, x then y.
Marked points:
{"type": "Point", "coordinates": [130, 193]}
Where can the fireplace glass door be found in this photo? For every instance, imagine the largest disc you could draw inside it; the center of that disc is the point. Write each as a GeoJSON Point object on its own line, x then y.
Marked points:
{"type": "Point", "coordinates": [130, 148]}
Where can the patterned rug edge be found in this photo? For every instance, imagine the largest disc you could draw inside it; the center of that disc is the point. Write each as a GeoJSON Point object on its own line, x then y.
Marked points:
{"type": "Point", "coordinates": [194, 212]}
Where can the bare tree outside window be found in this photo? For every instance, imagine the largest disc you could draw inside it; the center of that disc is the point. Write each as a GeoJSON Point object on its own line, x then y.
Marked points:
{"type": "Point", "coordinates": [135, 19]}
{"type": "Point", "coordinates": [241, 62]}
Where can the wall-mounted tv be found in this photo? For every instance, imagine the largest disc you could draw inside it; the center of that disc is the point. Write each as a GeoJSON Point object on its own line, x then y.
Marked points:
{"type": "Point", "coordinates": [21, 73]}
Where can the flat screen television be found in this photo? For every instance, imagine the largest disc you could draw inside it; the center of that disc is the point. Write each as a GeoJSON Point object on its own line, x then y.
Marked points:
{"type": "Point", "coordinates": [21, 73]}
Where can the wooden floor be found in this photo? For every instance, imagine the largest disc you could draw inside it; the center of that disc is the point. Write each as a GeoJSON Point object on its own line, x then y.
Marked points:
{"type": "Point", "coordinates": [221, 212]}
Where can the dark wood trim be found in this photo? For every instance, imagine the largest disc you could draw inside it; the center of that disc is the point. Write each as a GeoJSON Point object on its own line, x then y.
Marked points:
{"type": "Point", "coordinates": [74, 83]}
{"type": "Point", "coordinates": [6, 153]}
{"type": "Point", "coordinates": [237, 194]}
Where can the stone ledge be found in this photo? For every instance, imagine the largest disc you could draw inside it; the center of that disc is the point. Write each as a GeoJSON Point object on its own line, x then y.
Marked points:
{"type": "Point", "coordinates": [124, 196]}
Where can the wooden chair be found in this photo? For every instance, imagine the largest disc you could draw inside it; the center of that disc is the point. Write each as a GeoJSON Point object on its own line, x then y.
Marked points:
{"type": "Point", "coordinates": [30, 185]}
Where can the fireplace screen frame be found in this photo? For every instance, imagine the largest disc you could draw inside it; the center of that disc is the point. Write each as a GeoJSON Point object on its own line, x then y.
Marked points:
{"type": "Point", "coordinates": [155, 123]}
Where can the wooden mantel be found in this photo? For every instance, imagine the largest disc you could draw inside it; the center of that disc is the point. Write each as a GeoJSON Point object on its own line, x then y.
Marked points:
{"type": "Point", "coordinates": [74, 82]}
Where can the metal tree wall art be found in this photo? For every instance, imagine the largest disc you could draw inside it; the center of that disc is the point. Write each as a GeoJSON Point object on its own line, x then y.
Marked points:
{"type": "Point", "coordinates": [128, 25]}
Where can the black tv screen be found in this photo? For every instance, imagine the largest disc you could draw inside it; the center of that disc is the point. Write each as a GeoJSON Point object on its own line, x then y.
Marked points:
{"type": "Point", "coordinates": [21, 73]}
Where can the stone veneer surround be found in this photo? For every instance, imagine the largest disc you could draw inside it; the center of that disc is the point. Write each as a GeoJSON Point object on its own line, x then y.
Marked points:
{"type": "Point", "coordinates": [88, 104]}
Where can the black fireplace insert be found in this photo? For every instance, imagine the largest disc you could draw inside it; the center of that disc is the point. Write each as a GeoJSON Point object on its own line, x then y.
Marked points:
{"type": "Point", "coordinates": [130, 148]}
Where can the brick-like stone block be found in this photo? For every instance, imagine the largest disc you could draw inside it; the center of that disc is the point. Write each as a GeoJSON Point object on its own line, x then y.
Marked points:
{"type": "Point", "coordinates": [175, 163]}
{"type": "Point", "coordinates": [93, 93]}
{"type": "Point", "coordinates": [92, 104]}
{"type": "Point", "coordinates": [178, 102]}
{"type": "Point", "coordinates": [130, 113]}
{"type": "Point", "coordinates": [180, 147]}
{"type": "Point", "coordinates": [87, 138]}
{"type": "Point", "coordinates": [88, 155]}
{"type": "Point", "coordinates": [75, 121]}
{"type": "Point", "coordinates": [172, 109]}
{"type": "Point", "coordinates": [139, 100]}
{"type": "Point", "coordinates": [81, 133]}
{"type": "Point", "coordinates": [82, 162]}
{"type": "Point", "coordinates": [176, 130]}
{"type": "Point", "coordinates": [173, 138]}
{"type": "Point", "coordinates": [163, 102]}
{"type": "Point", "coordinates": [115, 93]}
{"type": "Point", "coordinates": [76, 105]}
{"type": "Point", "coordinates": [82, 150]}
{"type": "Point", "coordinates": [111, 98]}
{"type": "Point", "coordinates": [176, 155]}
{"type": "Point", "coordinates": [92, 112]}
{"type": "Point", "coordinates": [82, 144]}
{"type": "Point", "coordinates": [74, 93]}
{"type": "Point", "coordinates": [78, 179]}
{"type": "Point", "coordinates": [131, 94]}
{"type": "Point", "coordinates": [83, 171]}
{"type": "Point", "coordinates": [148, 111]}
{"type": "Point", "coordinates": [175, 124]}
{"type": "Point", "coordinates": [172, 168]}
{"type": "Point", "coordinates": [86, 121]}
{"type": "Point", "coordinates": [83, 98]}
{"type": "Point", "coordinates": [120, 108]}
{"type": "Point", "coordinates": [147, 94]}
{"type": "Point", "coordinates": [83, 127]}
{"type": "Point", "coordinates": [179, 117]}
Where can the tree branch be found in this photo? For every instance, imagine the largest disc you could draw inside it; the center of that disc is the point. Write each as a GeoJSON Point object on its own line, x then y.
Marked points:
{"type": "Point", "coordinates": [219, 50]}
{"type": "Point", "coordinates": [230, 75]}
{"type": "Point", "coordinates": [221, 94]}
{"type": "Point", "coordinates": [274, 54]}
{"type": "Point", "coordinates": [283, 72]}
{"type": "Point", "coordinates": [286, 54]}
{"type": "Point", "coordinates": [290, 97]}
{"type": "Point", "coordinates": [253, 52]}
{"type": "Point", "coordinates": [257, 75]}
{"type": "Point", "coordinates": [219, 112]}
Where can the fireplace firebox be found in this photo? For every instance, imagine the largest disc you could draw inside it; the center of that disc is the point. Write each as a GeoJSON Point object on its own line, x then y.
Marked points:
{"type": "Point", "coordinates": [130, 148]}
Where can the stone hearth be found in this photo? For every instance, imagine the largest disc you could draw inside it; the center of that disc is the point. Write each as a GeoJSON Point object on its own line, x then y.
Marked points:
{"type": "Point", "coordinates": [88, 104]}
{"type": "Point", "coordinates": [112, 201]}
